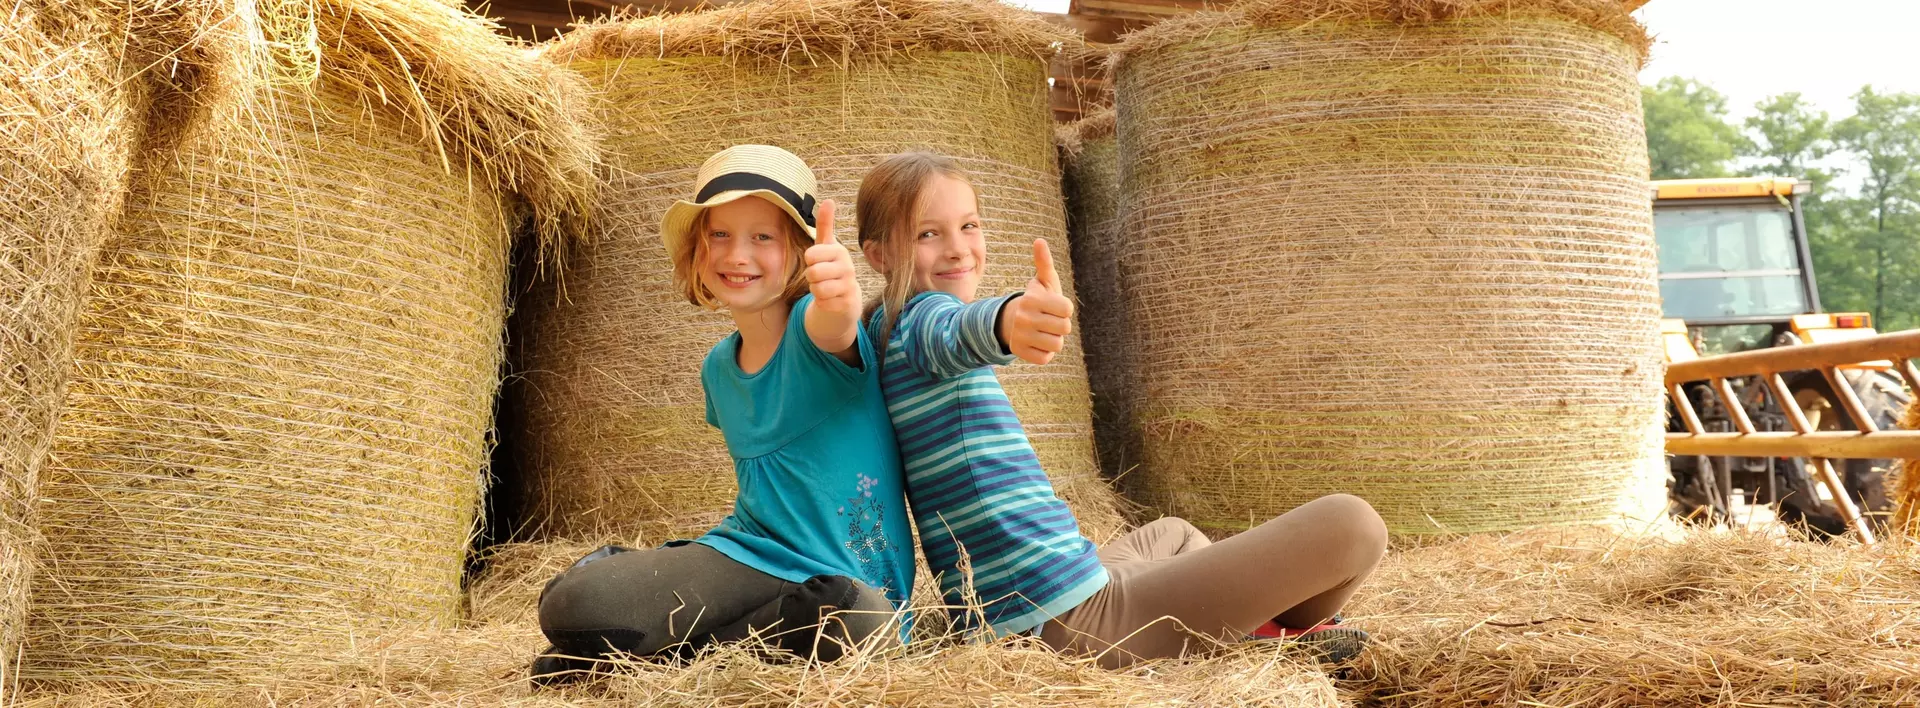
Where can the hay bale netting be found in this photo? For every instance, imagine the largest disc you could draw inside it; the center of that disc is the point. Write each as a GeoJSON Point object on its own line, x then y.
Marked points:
{"type": "Point", "coordinates": [1397, 249]}
{"type": "Point", "coordinates": [64, 147]}
{"type": "Point", "coordinates": [276, 432]}
{"type": "Point", "coordinates": [616, 432]}
{"type": "Point", "coordinates": [1090, 167]}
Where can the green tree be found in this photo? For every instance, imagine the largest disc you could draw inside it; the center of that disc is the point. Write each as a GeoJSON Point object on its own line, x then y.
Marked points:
{"type": "Point", "coordinates": [1879, 246]}
{"type": "Point", "coordinates": [1687, 130]}
{"type": "Point", "coordinates": [1843, 269]}
{"type": "Point", "coordinates": [1789, 135]}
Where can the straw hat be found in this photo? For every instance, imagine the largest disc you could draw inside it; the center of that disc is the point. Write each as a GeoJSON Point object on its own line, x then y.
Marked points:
{"type": "Point", "coordinates": [761, 171]}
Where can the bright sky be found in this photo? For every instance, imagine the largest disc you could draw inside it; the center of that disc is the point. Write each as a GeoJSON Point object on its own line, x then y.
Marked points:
{"type": "Point", "coordinates": [1752, 49]}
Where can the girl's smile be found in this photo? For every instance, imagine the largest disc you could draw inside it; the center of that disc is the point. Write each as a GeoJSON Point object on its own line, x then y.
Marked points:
{"type": "Point", "coordinates": [743, 241]}
{"type": "Point", "coordinates": [949, 249]}
{"type": "Point", "coordinates": [737, 280]}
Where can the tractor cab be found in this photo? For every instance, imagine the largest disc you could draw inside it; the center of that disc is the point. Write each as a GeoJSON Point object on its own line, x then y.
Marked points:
{"type": "Point", "coordinates": [1735, 266]}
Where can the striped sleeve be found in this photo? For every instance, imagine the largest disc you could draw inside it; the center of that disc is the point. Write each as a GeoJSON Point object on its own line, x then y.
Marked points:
{"type": "Point", "coordinates": [943, 338]}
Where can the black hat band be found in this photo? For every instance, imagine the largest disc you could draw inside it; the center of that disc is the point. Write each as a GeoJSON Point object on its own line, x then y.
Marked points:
{"type": "Point", "coordinates": [751, 182]}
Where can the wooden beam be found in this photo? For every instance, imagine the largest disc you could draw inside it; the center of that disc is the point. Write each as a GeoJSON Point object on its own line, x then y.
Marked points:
{"type": "Point", "coordinates": [1800, 357]}
{"type": "Point", "coordinates": [1902, 444]}
{"type": "Point", "coordinates": [1096, 29]}
{"type": "Point", "coordinates": [538, 18]}
{"type": "Point", "coordinates": [1149, 10]}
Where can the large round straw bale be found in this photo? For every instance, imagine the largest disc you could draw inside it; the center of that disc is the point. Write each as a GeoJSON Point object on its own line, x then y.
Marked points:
{"type": "Point", "coordinates": [277, 427]}
{"type": "Point", "coordinates": [1401, 249]}
{"type": "Point", "coordinates": [64, 147]}
{"type": "Point", "coordinates": [1090, 161]}
{"type": "Point", "coordinates": [616, 432]}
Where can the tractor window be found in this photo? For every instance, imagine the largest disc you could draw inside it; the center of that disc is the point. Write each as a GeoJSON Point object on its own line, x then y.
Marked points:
{"type": "Point", "coordinates": [1735, 261]}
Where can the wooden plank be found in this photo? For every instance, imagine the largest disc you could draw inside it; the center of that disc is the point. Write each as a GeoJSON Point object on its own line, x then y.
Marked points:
{"type": "Point", "coordinates": [1848, 510]}
{"type": "Point", "coordinates": [1801, 357]}
{"type": "Point", "coordinates": [1095, 28]}
{"type": "Point", "coordinates": [1137, 9]}
{"type": "Point", "coordinates": [1904, 444]}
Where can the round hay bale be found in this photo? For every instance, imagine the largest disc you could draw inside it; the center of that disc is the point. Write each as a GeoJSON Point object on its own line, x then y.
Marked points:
{"type": "Point", "coordinates": [65, 142]}
{"type": "Point", "coordinates": [276, 433]}
{"type": "Point", "coordinates": [1400, 249]}
{"type": "Point", "coordinates": [1090, 160]}
{"type": "Point", "coordinates": [616, 433]}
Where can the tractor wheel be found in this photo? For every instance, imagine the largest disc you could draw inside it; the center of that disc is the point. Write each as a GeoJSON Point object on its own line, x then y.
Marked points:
{"type": "Point", "coordinates": [1865, 480]}
{"type": "Point", "coordinates": [1692, 495]}
{"type": "Point", "coordinates": [1800, 506]}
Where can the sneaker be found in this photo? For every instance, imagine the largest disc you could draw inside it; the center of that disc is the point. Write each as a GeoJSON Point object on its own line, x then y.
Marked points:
{"type": "Point", "coordinates": [1327, 643]}
{"type": "Point", "coordinates": [1332, 645]}
{"type": "Point", "coordinates": [1274, 630]}
{"type": "Point", "coordinates": [551, 669]}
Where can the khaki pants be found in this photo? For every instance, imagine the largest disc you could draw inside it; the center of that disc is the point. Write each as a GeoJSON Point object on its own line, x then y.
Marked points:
{"type": "Point", "coordinates": [1172, 590]}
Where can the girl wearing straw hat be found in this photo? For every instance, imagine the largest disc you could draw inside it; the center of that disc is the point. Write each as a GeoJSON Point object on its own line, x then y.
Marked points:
{"type": "Point", "coordinates": [988, 518]}
{"type": "Point", "coordinates": [819, 529]}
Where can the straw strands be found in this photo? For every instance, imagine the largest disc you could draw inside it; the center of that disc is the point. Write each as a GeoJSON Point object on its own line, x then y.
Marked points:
{"type": "Point", "coordinates": [1906, 482]}
{"type": "Point", "coordinates": [65, 142]}
{"type": "Point", "coordinates": [616, 432]}
{"type": "Point", "coordinates": [1397, 249]}
{"type": "Point", "coordinates": [485, 663]}
{"type": "Point", "coordinates": [276, 433]}
{"type": "Point", "coordinates": [491, 114]}
{"type": "Point", "coordinates": [1555, 618]}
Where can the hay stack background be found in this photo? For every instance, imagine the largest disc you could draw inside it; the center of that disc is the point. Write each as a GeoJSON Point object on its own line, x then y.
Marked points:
{"type": "Point", "coordinates": [65, 141]}
{"type": "Point", "coordinates": [1090, 160]}
{"type": "Point", "coordinates": [1397, 249]}
{"type": "Point", "coordinates": [276, 434]}
{"type": "Point", "coordinates": [616, 432]}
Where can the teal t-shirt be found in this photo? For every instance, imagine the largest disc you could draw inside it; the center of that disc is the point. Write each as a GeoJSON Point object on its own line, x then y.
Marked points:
{"type": "Point", "coordinates": [821, 492]}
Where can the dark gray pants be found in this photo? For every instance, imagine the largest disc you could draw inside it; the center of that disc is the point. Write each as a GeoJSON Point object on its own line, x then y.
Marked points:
{"type": "Point", "coordinates": [678, 599]}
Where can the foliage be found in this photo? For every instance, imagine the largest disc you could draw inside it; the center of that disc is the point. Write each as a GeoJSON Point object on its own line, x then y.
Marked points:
{"type": "Point", "coordinates": [1687, 130]}
{"type": "Point", "coordinates": [1865, 240]}
{"type": "Point", "coordinates": [1789, 134]}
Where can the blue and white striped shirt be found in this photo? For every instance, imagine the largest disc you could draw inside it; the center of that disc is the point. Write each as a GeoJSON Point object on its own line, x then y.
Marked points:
{"type": "Point", "coordinates": [973, 481]}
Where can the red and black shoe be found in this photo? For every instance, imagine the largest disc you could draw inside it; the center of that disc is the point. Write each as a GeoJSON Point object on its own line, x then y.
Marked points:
{"type": "Point", "coordinates": [1328, 643]}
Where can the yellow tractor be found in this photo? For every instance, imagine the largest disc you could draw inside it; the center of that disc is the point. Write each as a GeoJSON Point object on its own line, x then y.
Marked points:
{"type": "Point", "coordinates": [1736, 275]}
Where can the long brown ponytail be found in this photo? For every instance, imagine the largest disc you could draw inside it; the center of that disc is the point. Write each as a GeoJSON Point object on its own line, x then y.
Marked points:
{"type": "Point", "coordinates": [885, 208]}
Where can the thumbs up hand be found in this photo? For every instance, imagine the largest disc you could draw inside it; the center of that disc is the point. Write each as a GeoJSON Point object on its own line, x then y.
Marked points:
{"type": "Point", "coordinates": [833, 321]}
{"type": "Point", "coordinates": [830, 269]}
{"type": "Point", "coordinates": [1034, 325]}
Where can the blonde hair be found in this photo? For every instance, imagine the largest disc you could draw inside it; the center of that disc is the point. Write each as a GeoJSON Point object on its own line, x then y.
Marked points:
{"type": "Point", "coordinates": [691, 250]}
{"type": "Point", "coordinates": [885, 206]}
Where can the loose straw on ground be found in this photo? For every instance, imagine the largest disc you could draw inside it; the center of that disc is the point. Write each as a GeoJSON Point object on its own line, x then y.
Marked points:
{"type": "Point", "coordinates": [1712, 618]}
{"type": "Point", "coordinates": [1401, 249]}
{"type": "Point", "coordinates": [1558, 617]}
{"type": "Point", "coordinates": [616, 435]}
{"type": "Point", "coordinates": [276, 435]}
{"type": "Point", "coordinates": [65, 141]}
{"type": "Point", "coordinates": [485, 663]}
